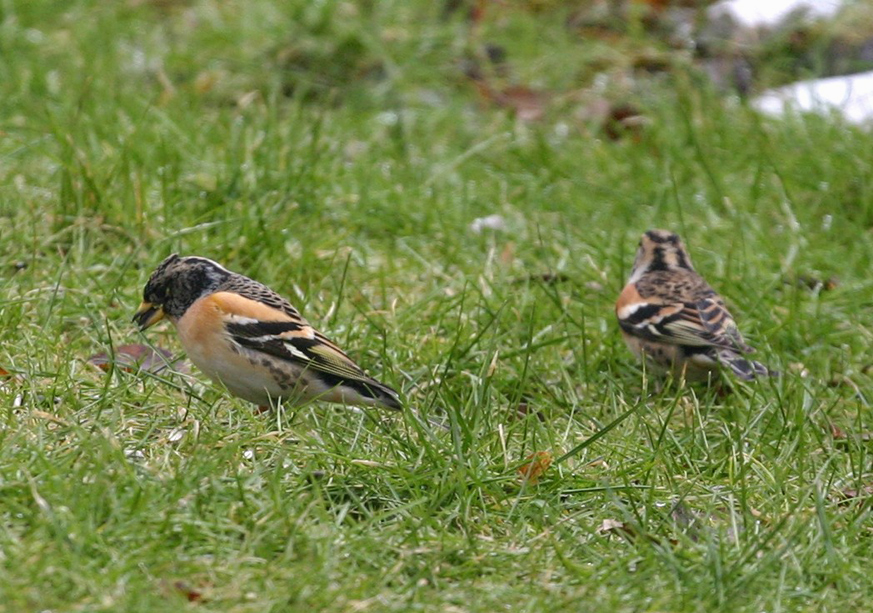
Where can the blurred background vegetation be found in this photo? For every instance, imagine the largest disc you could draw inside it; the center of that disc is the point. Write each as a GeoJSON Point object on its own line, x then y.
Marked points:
{"type": "Point", "coordinates": [453, 191]}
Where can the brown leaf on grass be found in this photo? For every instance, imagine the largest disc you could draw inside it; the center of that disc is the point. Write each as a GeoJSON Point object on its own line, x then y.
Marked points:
{"type": "Point", "coordinates": [494, 86]}
{"type": "Point", "coordinates": [624, 120]}
{"type": "Point", "coordinates": [136, 357]}
{"type": "Point", "coordinates": [523, 410]}
{"type": "Point", "coordinates": [613, 526]}
{"type": "Point", "coordinates": [525, 103]}
{"type": "Point", "coordinates": [4, 373]}
{"type": "Point", "coordinates": [840, 435]}
{"type": "Point", "coordinates": [192, 591]}
{"type": "Point", "coordinates": [534, 469]}
{"type": "Point", "coordinates": [850, 493]}
{"type": "Point", "coordinates": [193, 594]}
{"type": "Point", "coordinates": [616, 120]}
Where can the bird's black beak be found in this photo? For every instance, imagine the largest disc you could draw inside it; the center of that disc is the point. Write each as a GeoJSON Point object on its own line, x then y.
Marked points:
{"type": "Point", "coordinates": [148, 315]}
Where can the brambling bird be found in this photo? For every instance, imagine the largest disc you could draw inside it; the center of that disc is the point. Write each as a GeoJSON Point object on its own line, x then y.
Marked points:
{"type": "Point", "coordinates": [670, 316]}
{"type": "Point", "coordinates": [244, 335]}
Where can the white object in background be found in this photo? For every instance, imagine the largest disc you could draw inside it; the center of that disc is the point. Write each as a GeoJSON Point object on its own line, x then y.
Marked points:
{"type": "Point", "coordinates": [491, 222]}
{"type": "Point", "coordinates": [769, 13]}
{"type": "Point", "coordinates": [851, 95]}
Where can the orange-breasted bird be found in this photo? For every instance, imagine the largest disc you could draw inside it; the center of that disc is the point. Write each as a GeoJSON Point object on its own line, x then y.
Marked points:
{"type": "Point", "coordinates": [244, 335]}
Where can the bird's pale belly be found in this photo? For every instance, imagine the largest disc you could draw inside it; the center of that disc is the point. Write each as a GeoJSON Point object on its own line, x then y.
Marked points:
{"type": "Point", "coordinates": [665, 357]}
{"type": "Point", "coordinates": [235, 371]}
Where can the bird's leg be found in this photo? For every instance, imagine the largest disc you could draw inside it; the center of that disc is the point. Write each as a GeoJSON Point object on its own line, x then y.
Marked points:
{"type": "Point", "coordinates": [722, 389]}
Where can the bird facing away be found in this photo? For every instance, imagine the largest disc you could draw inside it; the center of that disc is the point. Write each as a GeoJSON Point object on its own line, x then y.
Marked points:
{"type": "Point", "coordinates": [670, 316]}
{"type": "Point", "coordinates": [244, 335]}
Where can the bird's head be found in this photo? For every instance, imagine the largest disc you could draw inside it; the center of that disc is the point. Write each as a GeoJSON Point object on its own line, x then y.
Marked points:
{"type": "Point", "coordinates": [660, 250]}
{"type": "Point", "coordinates": [175, 285]}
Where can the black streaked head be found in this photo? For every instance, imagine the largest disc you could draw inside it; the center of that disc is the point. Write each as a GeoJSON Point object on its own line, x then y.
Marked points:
{"type": "Point", "coordinates": [175, 285]}
{"type": "Point", "coordinates": [660, 250]}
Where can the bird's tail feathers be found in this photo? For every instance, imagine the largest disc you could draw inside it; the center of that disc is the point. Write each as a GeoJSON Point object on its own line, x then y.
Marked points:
{"type": "Point", "coordinates": [745, 369]}
{"type": "Point", "coordinates": [381, 395]}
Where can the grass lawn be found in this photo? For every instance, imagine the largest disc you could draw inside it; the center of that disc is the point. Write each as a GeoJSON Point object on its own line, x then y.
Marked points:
{"type": "Point", "coordinates": [337, 152]}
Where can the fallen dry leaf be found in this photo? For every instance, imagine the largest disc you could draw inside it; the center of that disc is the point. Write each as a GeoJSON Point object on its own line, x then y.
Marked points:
{"type": "Point", "coordinates": [613, 526]}
{"type": "Point", "coordinates": [534, 469]}
{"type": "Point", "coordinates": [525, 103]}
{"type": "Point", "coordinates": [190, 592]}
{"type": "Point", "coordinates": [135, 357]}
{"type": "Point", "coordinates": [624, 120]}
{"type": "Point", "coordinates": [840, 435]}
{"type": "Point", "coordinates": [616, 120]}
{"type": "Point", "coordinates": [851, 493]}
{"type": "Point", "coordinates": [523, 410]}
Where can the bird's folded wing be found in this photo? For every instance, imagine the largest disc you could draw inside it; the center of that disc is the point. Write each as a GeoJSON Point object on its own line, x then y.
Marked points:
{"type": "Point", "coordinates": [296, 342]}
{"type": "Point", "coordinates": [702, 323]}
